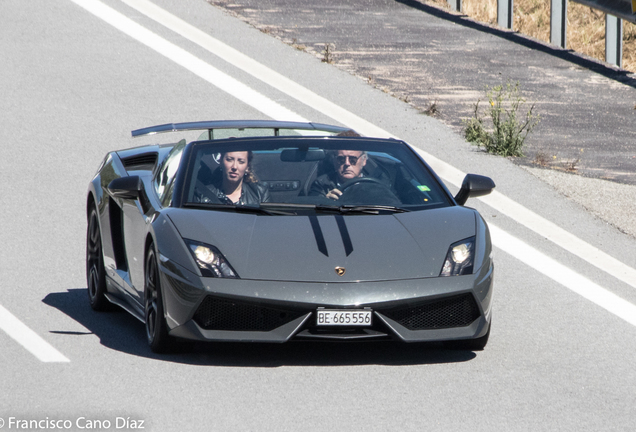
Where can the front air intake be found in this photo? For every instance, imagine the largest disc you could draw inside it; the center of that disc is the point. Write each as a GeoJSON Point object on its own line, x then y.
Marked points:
{"type": "Point", "coordinates": [224, 314]}
{"type": "Point", "coordinates": [449, 312]}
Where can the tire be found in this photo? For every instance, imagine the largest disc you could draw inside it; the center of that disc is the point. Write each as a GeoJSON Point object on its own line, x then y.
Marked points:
{"type": "Point", "coordinates": [95, 272]}
{"type": "Point", "coordinates": [156, 328]}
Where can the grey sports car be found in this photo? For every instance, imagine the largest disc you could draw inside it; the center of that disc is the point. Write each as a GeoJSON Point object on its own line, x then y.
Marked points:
{"type": "Point", "coordinates": [265, 231]}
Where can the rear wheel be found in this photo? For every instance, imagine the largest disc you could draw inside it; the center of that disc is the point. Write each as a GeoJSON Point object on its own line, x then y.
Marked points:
{"type": "Point", "coordinates": [95, 273]}
{"type": "Point", "coordinates": [156, 328]}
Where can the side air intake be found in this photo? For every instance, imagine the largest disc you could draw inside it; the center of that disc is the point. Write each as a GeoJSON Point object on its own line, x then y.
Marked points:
{"type": "Point", "coordinates": [140, 162]}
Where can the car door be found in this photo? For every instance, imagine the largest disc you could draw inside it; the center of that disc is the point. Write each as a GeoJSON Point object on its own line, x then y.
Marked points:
{"type": "Point", "coordinates": [138, 214]}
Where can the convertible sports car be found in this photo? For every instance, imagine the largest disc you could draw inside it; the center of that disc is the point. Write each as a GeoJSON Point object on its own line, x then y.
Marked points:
{"type": "Point", "coordinates": [265, 231]}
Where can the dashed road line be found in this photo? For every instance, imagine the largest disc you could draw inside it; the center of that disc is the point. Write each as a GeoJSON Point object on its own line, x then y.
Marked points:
{"type": "Point", "coordinates": [29, 339]}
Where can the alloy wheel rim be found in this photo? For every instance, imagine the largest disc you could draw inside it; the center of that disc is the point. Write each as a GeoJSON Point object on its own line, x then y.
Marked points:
{"type": "Point", "coordinates": [151, 299]}
{"type": "Point", "coordinates": [93, 251]}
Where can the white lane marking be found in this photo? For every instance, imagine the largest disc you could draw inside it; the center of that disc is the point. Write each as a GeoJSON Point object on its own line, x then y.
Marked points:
{"type": "Point", "coordinates": [496, 200]}
{"type": "Point", "coordinates": [561, 237]}
{"type": "Point", "coordinates": [254, 68]}
{"type": "Point", "coordinates": [28, 338]}
{"type": "Point", "coordinates": [181, 57]}
{"type": "Point", "coordinates": [507, 242]}
{"type": "Point", "coordinates": [563, 275]}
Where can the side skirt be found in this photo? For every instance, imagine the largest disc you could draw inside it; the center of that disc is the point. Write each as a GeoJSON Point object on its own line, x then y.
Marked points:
{"type": "Point", "coordinates": [135, 310]}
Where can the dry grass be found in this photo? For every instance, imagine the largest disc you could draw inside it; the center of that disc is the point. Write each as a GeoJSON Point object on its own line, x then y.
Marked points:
{"type": "Point", "coordinates": [586, 26]}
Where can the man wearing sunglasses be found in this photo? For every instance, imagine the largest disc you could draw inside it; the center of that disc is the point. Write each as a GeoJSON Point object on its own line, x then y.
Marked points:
{"type": "Point", "coordinates": [347, 165]}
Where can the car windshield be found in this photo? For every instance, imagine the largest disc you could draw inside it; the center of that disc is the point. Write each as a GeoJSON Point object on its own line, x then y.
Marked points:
{"type": "Point", "coordinates": [288, 175]}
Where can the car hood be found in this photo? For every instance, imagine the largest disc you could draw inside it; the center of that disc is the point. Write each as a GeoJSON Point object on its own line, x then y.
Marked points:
{"type": "Point", "coordinates": [310, 248]}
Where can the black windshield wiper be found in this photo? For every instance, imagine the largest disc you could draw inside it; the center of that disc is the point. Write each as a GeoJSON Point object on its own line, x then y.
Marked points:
{"type": "Point", "coordinates": [365, 209]}
{"type": "Point", "coordinates": [249, 208]}
{"type": "Point", "coordinates": [371, 209]}
{"type": "Point", "coordinates": [290, 209]}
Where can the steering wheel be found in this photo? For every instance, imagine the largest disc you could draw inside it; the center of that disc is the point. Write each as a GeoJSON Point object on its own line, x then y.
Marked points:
{"type": "Point", "coordinates": [368, 190]}
{"type": "Point", "coordinates": [358, 180]}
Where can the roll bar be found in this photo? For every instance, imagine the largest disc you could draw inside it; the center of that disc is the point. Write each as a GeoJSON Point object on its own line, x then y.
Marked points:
{"type": "Point", "coordinates": [237, 124]}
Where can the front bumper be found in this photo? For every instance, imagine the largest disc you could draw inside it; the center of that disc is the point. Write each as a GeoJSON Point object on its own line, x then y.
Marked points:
{"type": "Point", "coordinates": [411, 310]}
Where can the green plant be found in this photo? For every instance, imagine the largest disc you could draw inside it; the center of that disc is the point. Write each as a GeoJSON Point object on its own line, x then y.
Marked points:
{"type": "Point", "coordinates": [541, 159]}
{"type": "Point", "coordinates": [571, 165]}
{"type": "Point", "coordinates": [432, 109]}
{"type": "Point", "coordinates": [327, 54]}
{"type": "Point", "coordinates": [509, 131]}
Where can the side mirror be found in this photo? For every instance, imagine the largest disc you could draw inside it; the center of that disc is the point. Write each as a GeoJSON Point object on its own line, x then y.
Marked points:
{"type": "Point", "coordinates": [474, 186]}
{"type": "Point", "coordinates": [126, 187]}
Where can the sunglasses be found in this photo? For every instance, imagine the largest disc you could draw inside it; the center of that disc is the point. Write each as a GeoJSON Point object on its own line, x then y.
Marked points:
{"type": "Point", "coordinates": [343, 159]}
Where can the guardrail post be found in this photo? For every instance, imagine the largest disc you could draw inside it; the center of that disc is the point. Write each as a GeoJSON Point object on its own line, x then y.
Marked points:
{"type": "Point", "coordinates": [504, 13]}
{"type": "Point", "coordinates": [559, 22]}
{"type": "Point", "coordinates": [456, 5]}
{"type": "Point", "coordinates": [613, 40]}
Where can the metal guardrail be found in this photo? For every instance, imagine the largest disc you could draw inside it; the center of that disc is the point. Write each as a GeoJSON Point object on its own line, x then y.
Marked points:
{"type": "Point", "coordinates": [616, 11]}
{"type": "Point", "coordinates": [623, 9]}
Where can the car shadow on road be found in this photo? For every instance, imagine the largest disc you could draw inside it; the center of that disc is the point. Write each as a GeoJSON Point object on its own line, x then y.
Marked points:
{"type": "Point", "coordinates": [120, 331]}
{"type": "Point", "coordinates": [520, 39]}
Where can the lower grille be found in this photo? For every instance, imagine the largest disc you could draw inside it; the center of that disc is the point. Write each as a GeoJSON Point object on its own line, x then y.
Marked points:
{"type": "Point", "coordinates": [223, 314]}
{"type": "Point", "coordinates": [457, 311]}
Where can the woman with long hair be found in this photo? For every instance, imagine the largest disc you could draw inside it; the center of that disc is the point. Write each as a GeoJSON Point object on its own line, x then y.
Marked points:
{"type": "Point", "coordinates": [234, 182]}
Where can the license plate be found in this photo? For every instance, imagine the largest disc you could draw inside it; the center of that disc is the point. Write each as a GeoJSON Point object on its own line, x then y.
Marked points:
{"type": "Point", "coordinates": [339, 317]}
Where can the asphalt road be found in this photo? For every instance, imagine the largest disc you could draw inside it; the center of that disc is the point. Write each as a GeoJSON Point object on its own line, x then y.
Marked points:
{"type": "Point", "coordinates": [428, 56]}
{"type": "Point", "coordinates": [584, 145]}
{"type": "Point", "coordinates": [74, 84]}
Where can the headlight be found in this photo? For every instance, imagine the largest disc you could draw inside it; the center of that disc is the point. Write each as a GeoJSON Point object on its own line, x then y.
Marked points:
{"type": "Point", "coordinates": [460, 258]}
{"type": "Point", "coordinates": [210, 260]}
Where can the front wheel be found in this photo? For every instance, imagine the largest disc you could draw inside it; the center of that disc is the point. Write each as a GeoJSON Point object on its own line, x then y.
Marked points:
{"type": "Point", "coordinates": [156, 328]}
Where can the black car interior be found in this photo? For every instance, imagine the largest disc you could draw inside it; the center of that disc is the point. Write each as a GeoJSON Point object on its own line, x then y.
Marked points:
{"type": "Point", "coordinates": [289, 174]}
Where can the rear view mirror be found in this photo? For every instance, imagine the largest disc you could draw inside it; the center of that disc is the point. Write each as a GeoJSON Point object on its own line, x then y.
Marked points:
{"type": "Point", "coordinates": [298, 155]}
{"type": "Point", "coordinates": [474, 186]}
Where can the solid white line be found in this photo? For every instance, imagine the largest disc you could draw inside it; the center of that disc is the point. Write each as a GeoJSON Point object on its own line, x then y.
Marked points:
{"type": "Point", "coordinates": [496, 200]}
{"type": "Point", "coordinates": [505, 241]}
{"type": "Point", "coordinates": [563, 275]}
{"type": "Point", "coordinates": [256, 69]}
{"type": "Point", "coordinates": [28, 338]}
{"type": "Point", "coordinates": [189, 61]}
{"type": "Point", "coordinates": [561, 237]}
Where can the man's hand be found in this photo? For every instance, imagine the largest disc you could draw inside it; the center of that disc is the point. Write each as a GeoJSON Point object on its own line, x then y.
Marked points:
{"type": "Point", "coordinates": [334, 194]}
